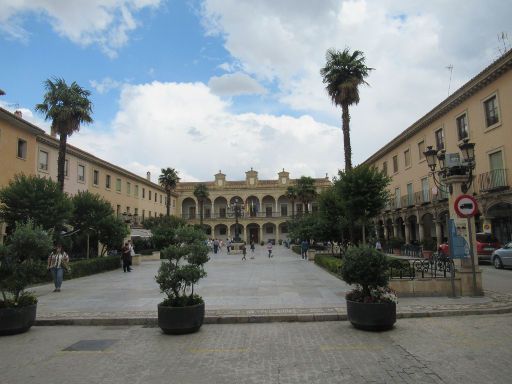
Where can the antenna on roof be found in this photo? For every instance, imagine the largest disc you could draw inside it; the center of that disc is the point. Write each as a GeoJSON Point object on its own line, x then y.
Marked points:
{"type": "Point", "coordinates": [450, 68]}
{"type": "Point", "coordinates": [504, 43]}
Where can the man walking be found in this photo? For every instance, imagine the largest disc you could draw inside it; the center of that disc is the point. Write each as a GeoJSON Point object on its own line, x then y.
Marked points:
{"type": "Point", "coordinates": [269, 249]}
{"type": "Point", "coordinates": [304, 246]}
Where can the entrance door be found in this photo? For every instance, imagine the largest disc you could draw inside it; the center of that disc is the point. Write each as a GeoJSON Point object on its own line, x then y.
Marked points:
{"type": "Point", "coordinates": [254, 235]}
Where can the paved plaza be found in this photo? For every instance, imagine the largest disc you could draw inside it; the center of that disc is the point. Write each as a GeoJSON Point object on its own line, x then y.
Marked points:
{"type": "Point", "coordinates": [470, 349]}
{"type": "Point", "coordinates": [283, 288]}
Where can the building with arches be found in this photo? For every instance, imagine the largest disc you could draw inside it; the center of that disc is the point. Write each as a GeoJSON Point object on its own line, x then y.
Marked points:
{"type": "Point", "coordinates": [266, 209]}
{"type": "Point", "coordinates": [479, 111]}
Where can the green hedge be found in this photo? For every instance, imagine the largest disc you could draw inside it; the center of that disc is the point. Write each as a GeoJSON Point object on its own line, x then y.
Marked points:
{"type": "Point", "coordinates": [331, 263]}
{"type": "Point", "coordinates": [296, 249]}
{"type": "Point", "coordinates": [88, 267]}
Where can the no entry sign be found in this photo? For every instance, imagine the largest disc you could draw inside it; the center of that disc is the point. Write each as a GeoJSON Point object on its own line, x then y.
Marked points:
{"type": "Point", "coordinates": [465, 206]}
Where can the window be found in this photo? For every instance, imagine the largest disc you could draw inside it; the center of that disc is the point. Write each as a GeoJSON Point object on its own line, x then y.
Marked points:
{"type": "Point", "coordinates": [269, 229]}
{"type": "Point", "coordinates": [491, 111]}
{"type": "Point", "coordinates": [136, 212]}
{"type": "Point", "coordinates": [268, 211]}
{"type": "Point", "coordinates": [107, 181]}
{"type": "Point", "coordinates": [43, 160]}
{"type": "Point", "coordinates": [284, 210]}
{"type": "Point", "coordinates": [143, 192]}
{"type": "Point", "coordinates": [397, 197]}
{"type": "Point", "coordinates": [439, 139]}
{"type": "Point", "coordinates": [128, 188]}
{"type": "Point", "coordinates": [22, 149]}
{"type": "Point", "coordinates": [160, 199]}
{"type": "Point", "coordinates": [385, 168]}
{"type": "Point", "coordinates": [222, 212]}
{"type": "Point", "coordinates": [136, 190]}
{"type": "Point", "coordinates": [66, 166]}
{"type": "Point", "coordinates": [425, 190]}
{"type": "Point", "coordinates": [143, 214]}
{"type": "Point", "coordinates": [410, 195]}
{"type": "Point", "coordinates": [81, 172]}
{"type": "Point", "coordinates": [118, 185]}
{"type": "Point", "coordinates": [96, 177]}
{"type": "Point", "coordinates": [149, 192]}
{"type": "Point", "coordinates": [421, 149]}
{"type": "Point", "coordinates": [118, 210]}
{"type": "Point", "coordinates": [284, 229]}
{"type": "Point", "coordinates": [395, 164]}
{"type": "Point", "coordinates": [462, 126]}
{"type": "Point", "coordinates": [156, 197]}
{"type": "Point", "coordinates": [407, 158]}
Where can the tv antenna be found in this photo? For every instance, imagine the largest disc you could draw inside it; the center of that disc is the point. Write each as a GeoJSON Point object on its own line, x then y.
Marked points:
{"type": "Point", "coordinates": [504, 43]}
{"type": "Point", "coordinates": [450, 68]}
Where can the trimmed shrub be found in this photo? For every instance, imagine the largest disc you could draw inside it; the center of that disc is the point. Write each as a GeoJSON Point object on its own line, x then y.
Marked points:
{"type": "Point", "coordinates": [331, 263]}
{"type": "Point", "coordinates": [296, 249]}
{"type": "Point", "coordinates": [92, 266]}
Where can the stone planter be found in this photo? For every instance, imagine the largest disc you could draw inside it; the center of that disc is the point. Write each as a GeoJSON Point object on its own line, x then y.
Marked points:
{"type": "Point", "coordinates": [136, 259]}
{"type": "Point", "coordinates": [311, 255]}
{"type": "Point", "coordinates": [180, 320]}
{"type": "Point", "coordinates": [371, 316]}
{"type": "Point", "coordinates": [17, 320]}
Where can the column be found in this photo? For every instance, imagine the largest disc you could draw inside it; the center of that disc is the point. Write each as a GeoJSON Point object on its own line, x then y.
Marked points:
{"type": "Point", "coordinates": [261, 233]}
{"type": "Point", "coordinates": [277, 234]}
{"type": "Point", "coordinates": [407, 228]}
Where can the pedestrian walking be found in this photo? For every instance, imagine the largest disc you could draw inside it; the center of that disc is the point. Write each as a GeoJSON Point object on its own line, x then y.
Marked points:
{"type": "Point", "coordinates": [252, 249]}
{"type": "Point", "coordinates": [58, 261]}
{"type": "Point", "coordinates": [228, 245]}
{"type": "Point", "coordinates": [125, 257]}
{"type": "Point", "coordinates": [215, 245]}
{"type": "Point", "coordinates": [378, 245]}
{"type": "Point", "coordinates": [244, 251]}
{"type": "Point", "coordinates": [304, 246]}
{"type": "Point", "coordinates": [269, 249]}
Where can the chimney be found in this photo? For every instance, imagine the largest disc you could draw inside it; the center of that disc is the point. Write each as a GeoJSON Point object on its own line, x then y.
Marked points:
{"type": "Point", "coordinates": [148, 175]}
{"type": "Point", "coordinates": [18, 113]}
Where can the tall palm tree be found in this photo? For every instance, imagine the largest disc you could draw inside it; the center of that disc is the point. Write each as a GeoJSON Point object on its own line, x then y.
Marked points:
{"type": "Point", "coordinates": [343, 73]}
{"type": "Point", "coordinates": [168, 180]}
{"type": "Point", "coordinates": [67, 107]}
{"type": "Point", "coordinates": [201, 193]}
{"type": "Point", "coordinates": [306, 191]}
{"type": "Point", "coordinates": [291, 194]}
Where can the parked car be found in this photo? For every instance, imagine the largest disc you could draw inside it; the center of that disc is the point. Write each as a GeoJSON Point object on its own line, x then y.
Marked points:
{"type": "Point", "coordinates": [486, 244]}
{"type": "Point", "coordinates": [502, 257]}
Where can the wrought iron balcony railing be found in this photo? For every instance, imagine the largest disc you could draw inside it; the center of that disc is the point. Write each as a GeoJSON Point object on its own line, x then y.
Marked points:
{"type": "Point", "coordinates": [494, 180]}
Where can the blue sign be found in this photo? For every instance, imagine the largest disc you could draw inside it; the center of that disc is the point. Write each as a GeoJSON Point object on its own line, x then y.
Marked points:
{"type": "Point", "coordinates": [459, 247]}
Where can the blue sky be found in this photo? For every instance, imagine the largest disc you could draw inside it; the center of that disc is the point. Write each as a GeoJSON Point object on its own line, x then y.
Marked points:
{"type": "Point", "coordinates": [205, 85]}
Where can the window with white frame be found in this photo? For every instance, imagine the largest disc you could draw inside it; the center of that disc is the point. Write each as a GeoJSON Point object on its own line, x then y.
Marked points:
{"type": "Point", "coordinates": [66, 167]}
{"type": "Point", "coordinates": [395, 164]}
{"type": "Point", "coordinates": [136, 190]}
{"type": "Point", "coordinates": [385, 168]}
{"type": "Point", "coordinates": [128, 188]}
{"type": "Point", "coordinates": [96, 177]}
{"type": "Point", "coordinates": [43, 160]}
{"type": "Point", "coordinates": [81, 173]}
{"type": "Point", "coordinates": [118, 185]}
{"type": "Point", "coordinates": [462, 127]}
{"type": "Point", "coordinates": [439, 134]}
{"type": "Point", "coordinates": [407, 158]}
{"type": "Point", "coordinates": [421, 149]}
{"type": "Point", "coordinates": [491, 111]}
{"type": "Point", "coordinates": [107, 181]}
{"type": "Point", "coordinates": [22, 149]}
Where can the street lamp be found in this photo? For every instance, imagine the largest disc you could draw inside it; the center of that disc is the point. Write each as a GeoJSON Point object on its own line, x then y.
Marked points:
{"type": "Point", "coordinates": [451, 165]}
{"type": "Point", "coordinates": [236, 208]}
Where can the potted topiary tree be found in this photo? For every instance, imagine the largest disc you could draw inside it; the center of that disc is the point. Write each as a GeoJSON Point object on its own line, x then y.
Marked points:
{"type": "Point", "coordinates": [21, 265]}
{"type": "Point", "coordinates": [182, 311]}
{"type": "Point", "coordinates": [372, 304]}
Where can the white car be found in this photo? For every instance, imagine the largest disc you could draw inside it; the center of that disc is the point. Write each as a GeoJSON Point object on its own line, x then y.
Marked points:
{"type": "Point", "coordinates": [502, 257]}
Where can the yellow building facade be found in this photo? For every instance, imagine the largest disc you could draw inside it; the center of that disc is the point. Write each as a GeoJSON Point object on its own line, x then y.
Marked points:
{"type": "Point", "coordinates": [479, 111]}
{"type": "Point", "coordinates": [27, 149]}
{"type": "Point", "coordinates": [266, 209]}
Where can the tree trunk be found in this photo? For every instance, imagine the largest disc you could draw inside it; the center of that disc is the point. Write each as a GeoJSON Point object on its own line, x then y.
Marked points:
{"type": "Point", "coordinates": [61, 162]}
{"type": "Point", "coordinates": [201, 204]}
{"type": "Point", "coordinates": [346, 137]}
{"type": "Point", "coordinates": [168, 203]}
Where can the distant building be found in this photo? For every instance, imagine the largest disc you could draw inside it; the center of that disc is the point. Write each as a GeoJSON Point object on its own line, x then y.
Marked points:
{"type": "Point", "coordinates": [479, 111]}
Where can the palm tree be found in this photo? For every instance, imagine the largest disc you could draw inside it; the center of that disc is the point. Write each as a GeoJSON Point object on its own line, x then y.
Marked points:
{"type": "Point", "coordinates": [168, 180]}
{"type": "Point", "coordinates": [343, 73]}
{"type": "Point", "coordinates": [201, 193]}
{"type": "Point", "coordinates": [291, 194]}
{"type": "Point", "coordinates": [306, 191]}
{"type": "Point", "coordinates": [67, 107]}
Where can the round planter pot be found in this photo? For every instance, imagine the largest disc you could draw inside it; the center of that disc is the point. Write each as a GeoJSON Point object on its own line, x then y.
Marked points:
{"type": "Point", "coordinates": [17, 320]}
{"type": "Point", "coordinates": [180, 320]}
{"type": "Point", "coordinates": [371, 316]}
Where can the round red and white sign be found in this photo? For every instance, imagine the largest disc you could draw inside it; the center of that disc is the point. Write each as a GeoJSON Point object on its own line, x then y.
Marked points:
{"type": "Point", "coordinates": [465, 206]}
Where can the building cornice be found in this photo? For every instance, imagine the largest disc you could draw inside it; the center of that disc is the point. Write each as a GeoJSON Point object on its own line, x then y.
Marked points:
{"type": "Point", "coordinates": [484, 78]}
{"type": "Point", "coordinates": [19, 122]}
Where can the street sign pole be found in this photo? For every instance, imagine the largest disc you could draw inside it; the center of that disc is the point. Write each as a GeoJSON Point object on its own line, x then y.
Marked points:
{"type": "Point", "coordinates": [473, 268]}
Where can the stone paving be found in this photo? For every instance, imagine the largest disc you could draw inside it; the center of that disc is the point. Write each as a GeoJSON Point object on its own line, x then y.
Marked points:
{"type": "Point", "coordinates": [283, 288]}
{"type": "Point", "coordinates": [470, 349]}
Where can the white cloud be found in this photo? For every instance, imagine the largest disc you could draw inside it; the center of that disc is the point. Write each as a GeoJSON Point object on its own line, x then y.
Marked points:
{"type": "Point", "coordinates": [105, 85]}
{"type": "Point", "coordinates": [187, 127]}
{"type": "Point", "coordinates": [409, 43]}
{"type": "Point", "coordinates": [85, 22]}
{"type": "Point", "coordinates": [235, 84]}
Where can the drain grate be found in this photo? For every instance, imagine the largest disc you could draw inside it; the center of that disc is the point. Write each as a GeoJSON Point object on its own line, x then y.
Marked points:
{"type": "Point", "coordinates": [91, 345]}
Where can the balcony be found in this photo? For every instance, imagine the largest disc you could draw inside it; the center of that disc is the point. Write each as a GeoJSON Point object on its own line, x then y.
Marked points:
{"type": "Point", "coordinates": [407, 200]}
{"type": "Point", "coordinates": [492, 181]}
{"type": "Point", "coordinates": [244, 216]}
{"type": "Point", "coordinates": [422, 197]}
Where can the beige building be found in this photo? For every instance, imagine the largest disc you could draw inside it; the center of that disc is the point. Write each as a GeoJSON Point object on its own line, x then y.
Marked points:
{"type": "Point", "coordinates": [27, 149]}
{"type": "Point", "coordinates": [266, 209]}
{"type": "Point", "coordinates": [479, 111]}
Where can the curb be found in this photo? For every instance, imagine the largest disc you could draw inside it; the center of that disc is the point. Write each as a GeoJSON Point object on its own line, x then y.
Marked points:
{"type": "Point", "coordinates": [254, 319]}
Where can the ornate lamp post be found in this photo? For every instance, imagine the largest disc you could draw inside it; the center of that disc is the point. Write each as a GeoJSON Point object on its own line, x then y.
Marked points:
{"type": "Point", "coordinates": [236, 208]}
{"type": "Point", "coordinates": [456, 173]}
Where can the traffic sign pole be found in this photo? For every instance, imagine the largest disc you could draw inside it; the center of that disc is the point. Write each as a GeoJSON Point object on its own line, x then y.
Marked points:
{"type": "Point", "coordinates": [473, 267]}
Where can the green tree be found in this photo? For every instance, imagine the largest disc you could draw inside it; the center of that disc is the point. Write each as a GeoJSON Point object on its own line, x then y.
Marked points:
{"type": "Point", "coordinates": [201, 193]}
{"type": "Point", "coordinates": [363, 194]}
{"type": "Point", "coordinates": [111, 232]}
{"type": "Point", "coordinates": [291, 194]}
{"type": "Point", "coordinates": [343, 73]}
{"type": "Point", "coordinates": [172, 221]}
{"type": "Point", "coordinates": [36, 198]}
{"type": "Point", "coordinates": [306, 191]}
{"type": "Point", "coordinates": [168, 180]}
{"type": "Point", "coordinates": [67, 107]}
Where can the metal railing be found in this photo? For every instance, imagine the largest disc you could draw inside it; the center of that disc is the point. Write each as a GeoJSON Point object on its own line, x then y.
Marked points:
{"type": "Point", "coordinates": [436, 267]}
{"type": "Point", "coordinates": [422, 197]}
{"type": "Point", "coordinates": [493, 180]}
{"type": "Point", "coordinates": [245, 215]}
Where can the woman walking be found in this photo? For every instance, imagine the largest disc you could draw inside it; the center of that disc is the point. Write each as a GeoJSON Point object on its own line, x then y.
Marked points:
{"type": "Point", "coordinates": [57, 262]}
{"type": "Point", "coordinates": [269, 248]}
